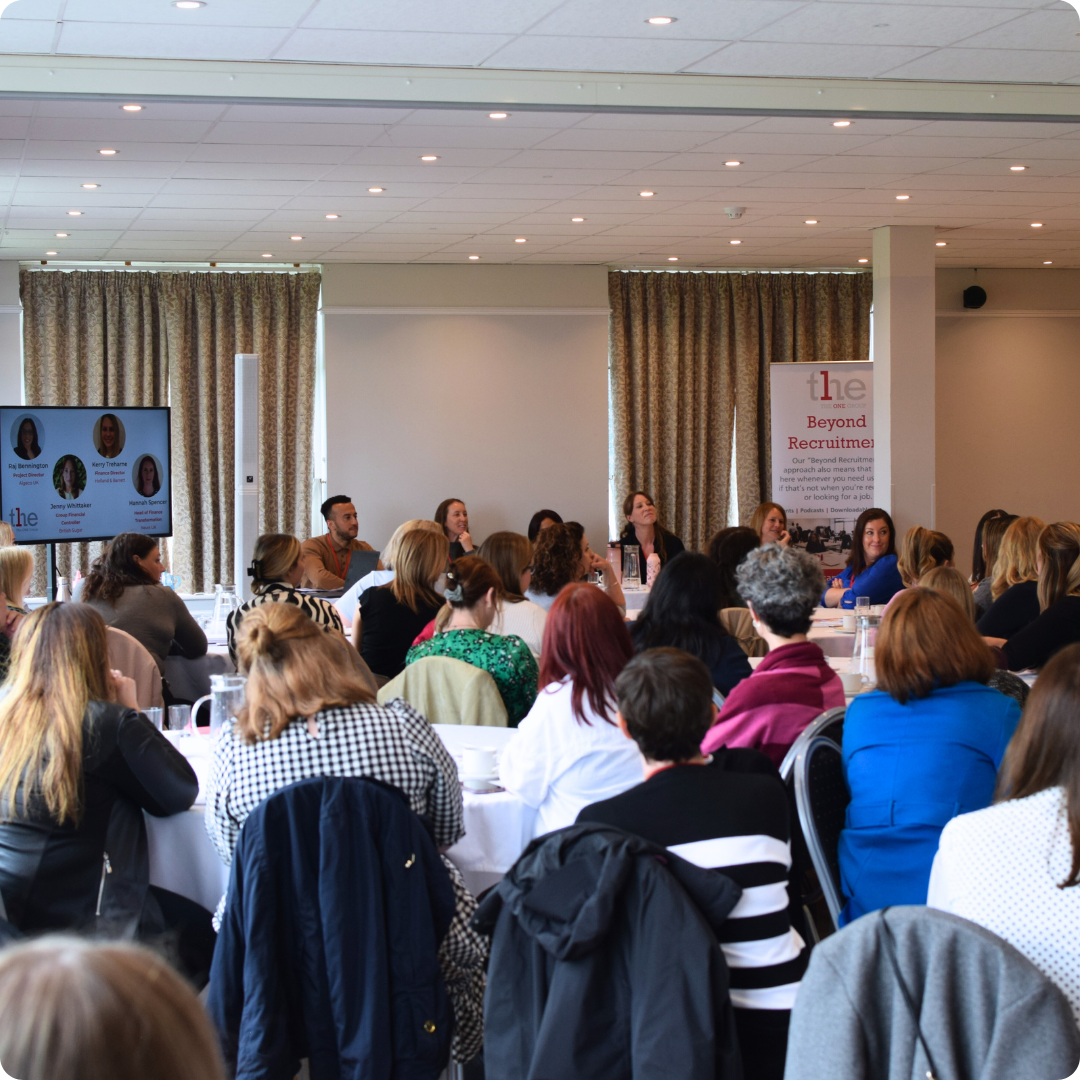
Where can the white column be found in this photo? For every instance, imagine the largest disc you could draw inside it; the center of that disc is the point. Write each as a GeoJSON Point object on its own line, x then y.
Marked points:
{"type": "Point", "coordinates": [904, 373]}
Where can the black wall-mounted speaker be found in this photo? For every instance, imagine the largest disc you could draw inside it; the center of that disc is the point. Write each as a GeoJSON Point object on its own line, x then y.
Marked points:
{"type": "Point", "coordinates": [974, 296]}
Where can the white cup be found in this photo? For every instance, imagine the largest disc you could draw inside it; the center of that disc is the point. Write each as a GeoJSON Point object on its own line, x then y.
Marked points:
{"type": "Point", "coordinates": [479, 763]}
{"type": "Point", "coordinates": [853, 682]}
{"type": "Point", "coordinates": [849, 624]}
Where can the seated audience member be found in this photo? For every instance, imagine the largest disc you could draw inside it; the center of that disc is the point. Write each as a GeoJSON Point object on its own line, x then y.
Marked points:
{"type": "Point", "coordinates": [541, 520]}
{"type": "Point", "coordinates": [682, 612]}
{"type": "Point", "coordinates": [326, 558]}
{"type": "Point", "coordinates": [7, 535]}
{"type": "Point", "coordinates": [307, 713]}
{"type": "Point", "coordinates": [1058, 591]}
{"type": "Point", "coordinates": [984, 555]}
{"type": "Point", "coordinates": [949, 580]}
{"type": "Point", "coordinates": [453, 518]}
{"type": "Point", "coordinates": [727, 549]}
{"type": "Point", "coordinates": [390, 616]}
{"type": "Point", "coordinates": [16, 573]}
{"type": "Point", "coordinates": [78, 766]}
{"type": "Point", "coordinates": [920, 551]}
{"type": "Point", "coordinates": [124, 588]}
{"type": "Point", "coordinates": [922, 748]}
{"type": "Point", "coordinates": [557, 561]}
{"type": "Point", "coordinates": [871, 567]}
{"type": "Point", "coordinates": [793, 684]}
{"type": "Point", "coordinates": [770, 523]}
{"type": "Point", "coordinates": [643, 528]}
{"type": "Point", "coordinates": [511, 555]}
{"type": "Point", "coordinates": [1015, 590]}
{"type": "Point", "coordinates": [85, 1011]}
{"type": "Point", "coordinates": [1015, 867]}
{"type": "Point", "coordinates": [276, 570]}
{"type": "Point", "coordinates": [472, 591]}
{"type": "Point", "coordinates": [728, 812]}
{"type": "Point", "coordinates": [568, 751]}
{"type": "Point", "coordinates": [592, 563]}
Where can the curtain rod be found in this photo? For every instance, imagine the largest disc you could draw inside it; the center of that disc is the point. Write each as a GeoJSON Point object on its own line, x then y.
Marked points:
{"type": "Point", "coordinates": [673, 270]}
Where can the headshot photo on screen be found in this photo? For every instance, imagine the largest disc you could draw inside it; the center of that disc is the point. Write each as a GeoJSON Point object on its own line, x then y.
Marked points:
{"type": "Point", "coordinates": [69, 477]}
{"type": "Point", "coordinates": [109, 436]}
{"type": "Point", "coordinates": [26, 439]}
{"type": "Point", "coordinates": [147, 476]}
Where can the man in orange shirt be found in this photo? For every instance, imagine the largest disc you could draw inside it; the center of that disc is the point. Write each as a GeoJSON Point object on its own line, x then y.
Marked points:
{"type": "Point", "coordinates": [326, 558]}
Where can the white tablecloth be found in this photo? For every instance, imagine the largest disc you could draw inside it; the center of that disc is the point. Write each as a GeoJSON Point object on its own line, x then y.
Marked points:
{"type": "Point", "coordinates": [827, 631]}
{"type": "Point", "coordinates": [635, 599]}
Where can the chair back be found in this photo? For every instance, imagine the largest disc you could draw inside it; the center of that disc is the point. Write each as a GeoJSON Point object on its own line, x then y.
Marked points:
{"type": "Point", "coordinates": [130, 656]}
{"type": "Point", "coordinates": [448, 691]}
{"type": "Point", "coordinates": [1011, 685]}
{"type": "Point", "coordinates": [739, 624]}
{"type": "Point", "coordinates": [829, 724]}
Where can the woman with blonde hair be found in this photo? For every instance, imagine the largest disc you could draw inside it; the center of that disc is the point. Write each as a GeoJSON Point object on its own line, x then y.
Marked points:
{"type": "Point", "coordinates": [1016, 575]}
{"type": "Point", "coordinates": [276, 571]}
{"type": "Point", "coordinates": [511, 554]}
{"type": "Point", "coordinates": [16, 572]}
{"type": "Point", "coordinates": [1058, 592]}
{"type": "Point", "coordinates": [769, 521]}
{"type": "Point", "coordinates": [920, 551]}
{"type": "Point", "coordinates": [920, 749]}
{"type": "Point", "coordinates": [78, 766]}
{"type": "Point", "coordinates": [307, 713]}
{"type": "Point", "coordinates": [988, 538]}
{"type": "Point", "coordinates": [390, 616]}
{"type": "Point", "coordinates": [7, 534]}
{"type": "Point", "coordinates": [950, 582]}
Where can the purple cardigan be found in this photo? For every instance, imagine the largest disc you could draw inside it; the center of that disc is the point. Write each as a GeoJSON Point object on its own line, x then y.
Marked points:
{"type": "Point", "coordinates": [767, 712]}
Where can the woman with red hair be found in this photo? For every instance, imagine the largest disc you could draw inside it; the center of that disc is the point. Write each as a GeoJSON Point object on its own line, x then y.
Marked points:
{"type": "Point", "coordinates": [569, 752]}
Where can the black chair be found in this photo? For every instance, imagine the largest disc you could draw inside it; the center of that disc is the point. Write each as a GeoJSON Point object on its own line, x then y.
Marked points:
{"type": "Point", "coordinates": [829, 724]}
{"type": "Point", "coordinates": [1011, 686]}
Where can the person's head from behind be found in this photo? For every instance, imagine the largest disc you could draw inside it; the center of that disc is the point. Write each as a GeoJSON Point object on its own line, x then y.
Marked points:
{"type": "Point", "coordinates": [130, 559]}
{"type": "Point", "coordinates": [769, 522]}
{"type": "Point", "coordinates": [980, 568]}
{"type": "Point", "coordinates": [28, 438]}
{"type": "Point", "coordinates": [82, 1011]}
{"type": "Point", "coordinates": [683, 606]}
{"type": "Point", "coordinates": [1018, 556]}
{"type": "Point", "coordinates": [585, 642]}
{"type": "Point", "coordinates": [1058, 562]}
{"type": "Point", "coordinates": [949, 580]}
{"type": "Point", "coordinates": [665, 699]}
{"type": "Point", "coordinates": [727, 549]}
{"type": "Point", "coordinates": [921, 550]}
{"type": "Point", "coordinates": [59, 663]}
{"type": "Point", "coordinates": [510, 554]}
{"type": "Point", "coordinates": [453, 518]}
{"type": "Point", "coordinates": [873, 538]}
{"type": "Point", "coordinates": [474, 586]}
{"type": "Point", "coordinates": [577, 534]}
{"type": "Point", "coordinates": [781, 586]}
{"type": "Point", "coordinates": [542, 519]}
{"type": "Point", "coordinates": [149, 481]}
{"type": "Point", "coordinates": [389, 553]}
{"type": "Point", "coordinates": [927, 642]}
{"type": "Point", "coordinates": [1045, 749]}
{"type": "Point", "coordinates": [420, 558]}
{"type": "Point", "coordinates": [276, 559]}
{"type": "Point", "coordinates": [110, 434]}
{"type": "Point", "coordinates": [16, 571]}
{"type": "Point", "coordinates": [556, 560]}
{"type": "Point", "coordinates": [294, 669]}
{"type": "Point", "coordinates": [993, 531]}
{"type": "Point", "coordinates": [7, 535]}
{"type": "Point", "coordinates": [339, 513]}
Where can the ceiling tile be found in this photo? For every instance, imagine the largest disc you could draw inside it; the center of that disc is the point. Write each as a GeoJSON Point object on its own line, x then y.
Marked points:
{"type": "Point", "coordinates": [380, 47]}
{"type": "Point", "coordinates": [818, 60]}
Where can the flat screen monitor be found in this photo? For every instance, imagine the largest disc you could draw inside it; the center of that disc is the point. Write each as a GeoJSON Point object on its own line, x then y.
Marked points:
{"type": "Point", "coordinates": [71, 474]}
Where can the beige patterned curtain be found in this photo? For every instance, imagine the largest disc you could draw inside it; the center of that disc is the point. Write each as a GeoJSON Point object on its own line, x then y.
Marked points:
{"type": "Point", "coordinates": [689, 365]}
{"type": "Point", "coordinates": [117, 338]}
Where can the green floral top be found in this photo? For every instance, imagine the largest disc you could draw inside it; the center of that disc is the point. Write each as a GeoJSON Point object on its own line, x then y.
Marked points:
{"type": "Point", "coordinates": [507, 657]}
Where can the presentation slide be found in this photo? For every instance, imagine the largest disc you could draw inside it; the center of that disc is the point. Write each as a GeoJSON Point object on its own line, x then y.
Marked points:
{"type": "Point", "coordinates": [84, 474]}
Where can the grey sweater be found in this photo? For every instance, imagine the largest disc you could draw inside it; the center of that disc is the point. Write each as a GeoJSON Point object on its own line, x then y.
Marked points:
{"type": "Point", "coordinates": [986, 1012]}
{"type": "Point", "coordinates": [155, 616]}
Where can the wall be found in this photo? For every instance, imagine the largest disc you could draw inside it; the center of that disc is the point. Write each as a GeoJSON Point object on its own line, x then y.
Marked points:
{"type": "Point", "coordinates": [11, 388]}
{"type": "Point", "coordinates": [487, 383]}
{"type": "Point", "coordinates": [1008, 383]}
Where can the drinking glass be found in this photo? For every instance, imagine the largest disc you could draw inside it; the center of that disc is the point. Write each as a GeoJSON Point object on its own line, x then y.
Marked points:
{"type": "Point", "coordinates": [155, 716]}
{"type": "Point", "coordinates": [862, 605]}
{"type": "Point", "coordinates": [631, 566]}
{"type": "Point", "coordinates": [180, 718]}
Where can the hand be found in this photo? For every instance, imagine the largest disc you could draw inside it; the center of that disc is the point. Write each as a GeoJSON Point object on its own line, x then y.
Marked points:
{"type": "Point", "coordinates": [785, 538]}
{"type": "Point", "coordinates": [123, 689]}
{"type": "Point", "coordinates": [598, 562]}
{"type": "Point", "coordinates": [465, 540]}
{"type": "Point", "coordinates": [995, 642]}
{"type": "Point", "coordinates": [836, 583]}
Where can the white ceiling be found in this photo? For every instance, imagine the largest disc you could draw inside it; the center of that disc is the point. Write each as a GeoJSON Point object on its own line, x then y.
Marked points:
{"type": "Point", "coordinates": [202, 182]}
{"type": "Point", "coordinates": [982, 40]}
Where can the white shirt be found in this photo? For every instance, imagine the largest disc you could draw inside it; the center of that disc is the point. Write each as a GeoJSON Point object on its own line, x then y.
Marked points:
{"type": "Point", "coordinates": [558, 764]}
{"type": "Point", "coordinates": [347, 601]}
{"type": "Point", "coordinates": [1001, 868]}
{"type": "Point", "coordinates": [541, 599]}
{"type": "Point", "coordinates": [525, 619]}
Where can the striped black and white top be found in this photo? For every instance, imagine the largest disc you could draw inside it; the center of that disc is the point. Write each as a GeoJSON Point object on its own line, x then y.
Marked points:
{"type": "Point", "coordinates": [277, 592]}
{"type": "Point", "coordinates": [732, 816]}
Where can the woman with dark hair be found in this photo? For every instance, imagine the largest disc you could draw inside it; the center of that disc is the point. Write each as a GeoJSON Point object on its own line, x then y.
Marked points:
{"type": "Point", "coordinates": [643, 528]}
{"type": "Point", "coordinates": [591, 563]}
{"type": "Point", "coordinates": [454, 519]}
{"type": "Point", "coordinates": [542, 519]}
{"type": "Point", "coordinates": [147, 482]}
{"type": "Point", "coordinates": [920, 749]}
{"type": "Point", "coordinates": [26, 445]}
{"type": "Point", "coordinates": [511, 555]}
{"type": "Point", "coordinates": [124, 588]}
{"type": "Point", "coordinates": [681, 613]}
{"type": "Point", "coordinates": [569, 751]}
{"type": "Point", "coordinates": [556, 563]}
{"type": "Point", "coordinates": [67, 478]}
{"type": "Point", "coordinates": [993, 531]}
{"type": "Point", "coordinates": [727, 549]}
{"type": "Point", "coordinates": [871, 567]}
{"type": "Point", "coordinates": [472, 591]}
{"type": "Point", "coordinates": [981, 567]}
{"type": "Point", "coordinates": [1015, 866]}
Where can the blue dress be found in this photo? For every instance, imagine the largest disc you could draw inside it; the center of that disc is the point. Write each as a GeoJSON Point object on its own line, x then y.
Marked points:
{"type": "Point", "coordinates": [881, 582]}
{"type": "Point", "coordinates": [910, 769]}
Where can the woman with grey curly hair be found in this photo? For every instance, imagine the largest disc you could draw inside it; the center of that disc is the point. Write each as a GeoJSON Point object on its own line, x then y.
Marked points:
{"type": "Point", "coordinates": [794, 683]}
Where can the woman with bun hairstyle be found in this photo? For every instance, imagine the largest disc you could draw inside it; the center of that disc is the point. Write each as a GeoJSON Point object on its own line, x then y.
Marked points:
{"type": "Point", "coordinates": [308, 712]}
{"type": "Point", "coordinates": [770, 523]}
{"type": "Point", "coordinates": [473, 591]}
{"type": "Point", "coordinates": [643, 528]}
{"type": "Point", "coordinates": [921, 550]}
{"type": "Point", "coordinates": [871, 567]}
{"type": "Point", "coordinates": [1015, 590]}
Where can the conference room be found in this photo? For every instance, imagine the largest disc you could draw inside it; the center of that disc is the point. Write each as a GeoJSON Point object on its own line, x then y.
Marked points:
{"type": "Point", "coordinates": [442, 428]}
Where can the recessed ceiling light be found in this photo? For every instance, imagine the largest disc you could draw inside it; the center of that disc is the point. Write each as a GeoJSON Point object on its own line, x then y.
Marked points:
{"type": "Point", "coordinates": [940, 243]}
{"type": "Point", "coordinates": [267, 255]}
{"type": "Point", "coordinates": [732, 164]}
{"type": "Point", "coordinates": [474, 257]}
{"type": "Point", "coordinates": [132, 108]}
{"type": "Point", "coordinates": [331, 217]}
{"type": "Point", "coordinates": [673, 258]}
{"type": "Point", "coordinates": [61, 235]}
{"type": "Point", "coordinates": [734, 241]}
{"type": "Point", "coordinates": [376, 190]}
{"type": "Point", "coordinates": [188, 5]}
{"type": "Point", "coordinates": [429, 157]}
{"type": "Point", "coordinates": [903, 197]}
{"type": "Point", "coordinates": [810, 221]}
{"type": "Point", "coordinates": [1017, 168]}
{"type": "Point", "coordinates": [864, 260]}
{"type": "Point", "coordinates": [498, 115]}
{"type": "Point", "coordinates": [646, 194]}
{"type": "Point", "coordinates": [578, 219]}
{"type": "Point", "coordinates": [520, 240]}
{"type": "Point", "coordinates": [661, 20]}
{"type": "Point", "coordinates": [90, 187]}
{"type": "Point", "coordinates": [74, 213]}
{"type": "Point", "coordinates": [50, 252]}
{"type": "Point", "coordinates": [841, 123]}
{"type": "Point", "coordinates": [107, 153]}
{"type": "Point", "coordinates": [1036, 224]}
{"type": "Point", "coordinates": [1048, 262]}
{"type": "Point", "coordinates": [296, 238]}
